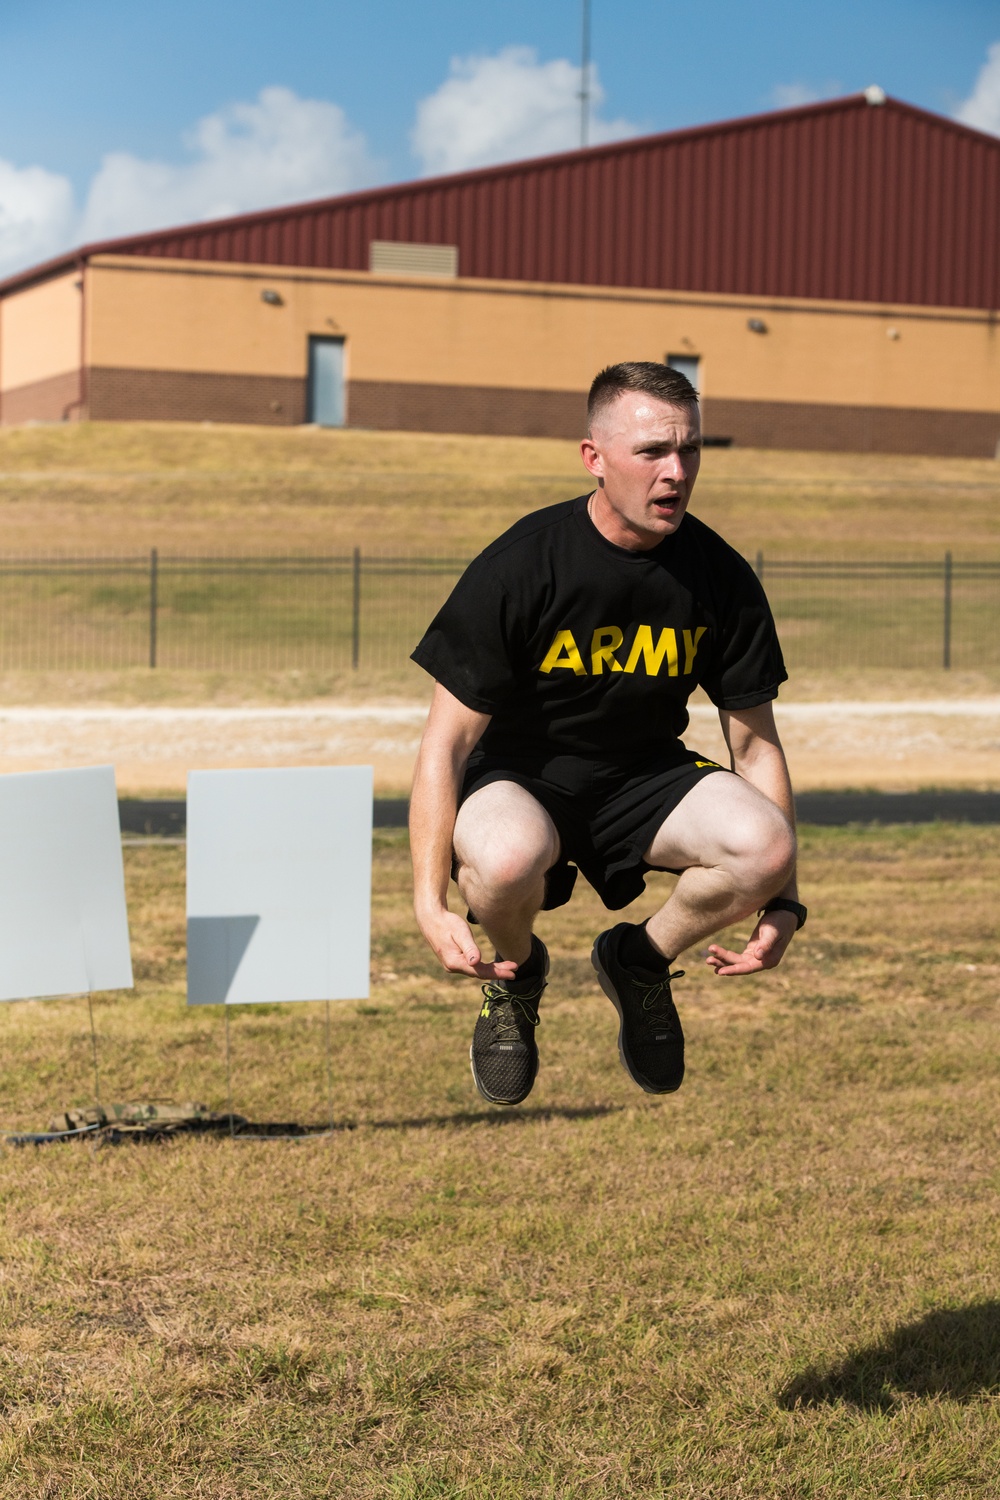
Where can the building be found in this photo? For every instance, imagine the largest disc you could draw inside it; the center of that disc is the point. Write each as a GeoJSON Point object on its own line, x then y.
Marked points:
{"type": "Point", "coordinates": [830, 276]}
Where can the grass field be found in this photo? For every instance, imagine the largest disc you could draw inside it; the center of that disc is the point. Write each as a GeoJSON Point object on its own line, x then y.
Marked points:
{"type": "Point", "coordinates": [780, 1283]}
{"type": "Point", "coordinates": [126, 487]}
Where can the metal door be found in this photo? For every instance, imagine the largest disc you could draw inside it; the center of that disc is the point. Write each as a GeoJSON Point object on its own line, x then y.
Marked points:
{"type": "Point", "coordinates": [688, 365]}
{"type": "Point", "coordinates": [326, 382]}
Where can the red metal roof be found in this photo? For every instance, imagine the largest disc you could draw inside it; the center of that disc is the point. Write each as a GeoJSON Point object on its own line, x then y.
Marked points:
{"type": "Point", "coordinates": [844, 200]}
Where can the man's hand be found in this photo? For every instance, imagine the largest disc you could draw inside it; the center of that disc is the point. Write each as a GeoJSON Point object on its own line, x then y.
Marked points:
{"type": "Point", "coordinates": [767, 944]}
{"type": "Point", "coordinates": [453, 942]}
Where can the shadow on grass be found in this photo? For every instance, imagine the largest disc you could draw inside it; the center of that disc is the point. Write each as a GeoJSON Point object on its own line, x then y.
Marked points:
{"type": "Point", "coordinates": [500, 1116]}
{"type": "Point", "coordinates": [242, 1129]}
{"type": "Point", "coordinates": [954, 1352]}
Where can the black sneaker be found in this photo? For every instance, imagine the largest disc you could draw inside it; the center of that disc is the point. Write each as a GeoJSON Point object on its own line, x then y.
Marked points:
{"type": "Point", "coordinates": [650, 1039]}
{"type": "Point", "coordinates": [504, 1055]}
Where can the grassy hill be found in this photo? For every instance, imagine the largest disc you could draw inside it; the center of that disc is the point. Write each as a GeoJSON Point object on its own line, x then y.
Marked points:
{"type": "Point", "coordinates": [126, 487]}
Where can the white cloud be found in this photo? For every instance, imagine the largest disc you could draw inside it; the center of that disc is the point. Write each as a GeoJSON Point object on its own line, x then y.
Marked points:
{"type": "Point", "coordinates": [36, 215]}
{"type": "Point", "coordinates": [502, 108]}
{"type": "Point", "coordinates": [279, 149]}
{"type": "Point", "coordinates": [982, 108]}
{"type": "Point", "coordinates": [791, 95]}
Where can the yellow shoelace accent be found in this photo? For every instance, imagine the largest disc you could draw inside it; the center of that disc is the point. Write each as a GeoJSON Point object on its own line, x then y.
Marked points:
{"type": "Point", "coordinates": [507, 1030]}
{"type": "Point", "coordinates": [659, 992]}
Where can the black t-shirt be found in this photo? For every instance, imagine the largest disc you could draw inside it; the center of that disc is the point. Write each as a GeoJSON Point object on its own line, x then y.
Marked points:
{"type": "Point", "coordinates": [578, 647]}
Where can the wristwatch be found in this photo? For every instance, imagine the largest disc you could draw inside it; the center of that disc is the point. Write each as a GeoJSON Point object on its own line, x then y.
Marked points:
{"type": "Point", "coordinates": [781, 903]}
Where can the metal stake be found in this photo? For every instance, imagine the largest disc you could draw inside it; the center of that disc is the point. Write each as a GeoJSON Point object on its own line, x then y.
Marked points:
{"type": "Point", "coordinates": [93, 1048]}
{"type": "Point", "coordinates": [329, 1069]}
{"type": "Point", "coordinates": [947, 611]}
{"type": "Point", "coordinates": [229, 1079]}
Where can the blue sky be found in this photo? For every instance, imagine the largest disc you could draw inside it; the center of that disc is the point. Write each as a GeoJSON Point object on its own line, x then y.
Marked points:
{"type": "Point", "coordinates": [100, 103]}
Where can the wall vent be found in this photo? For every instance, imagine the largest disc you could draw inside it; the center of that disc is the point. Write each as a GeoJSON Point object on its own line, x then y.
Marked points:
{"type": "Point", "coordinates": [402, 258]}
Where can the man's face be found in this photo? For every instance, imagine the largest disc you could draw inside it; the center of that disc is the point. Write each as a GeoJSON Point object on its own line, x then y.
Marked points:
{"type": "Point", "coordinates": [645, 457]}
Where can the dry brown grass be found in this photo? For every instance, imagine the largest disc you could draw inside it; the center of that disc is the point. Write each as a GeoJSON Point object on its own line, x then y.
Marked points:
{"type": "Point", "coordinates": [779, 1283]}
{"type": "Point", "coordinates": [185, 488]}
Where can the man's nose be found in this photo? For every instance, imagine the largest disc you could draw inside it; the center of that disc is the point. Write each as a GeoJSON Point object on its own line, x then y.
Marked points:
{"type": "Point", "coordinates": [672, 467]}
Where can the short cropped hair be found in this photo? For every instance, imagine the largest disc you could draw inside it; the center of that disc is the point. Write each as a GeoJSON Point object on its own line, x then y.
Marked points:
{"type": "Point", "coordinates": [655, 380]}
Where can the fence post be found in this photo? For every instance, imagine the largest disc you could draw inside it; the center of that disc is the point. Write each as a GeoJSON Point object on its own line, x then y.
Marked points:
{"type": "Point", "coordinates": [759, 567]}
{"type": "Point", "coordinates": [153, 570]}
{"type": "Point", "coordinates": [947, 611]}
{"type": "Point", "coordinates": [356, 609]}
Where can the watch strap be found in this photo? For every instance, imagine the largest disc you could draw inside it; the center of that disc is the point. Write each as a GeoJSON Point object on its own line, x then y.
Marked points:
{"type": "Point", "coordinates": [782, 903]}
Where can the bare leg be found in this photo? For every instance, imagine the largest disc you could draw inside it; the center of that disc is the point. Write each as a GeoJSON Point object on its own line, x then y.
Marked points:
{"type": "Point", "coordinates": [504, 843]}
{"type": "Point", "coordinates": [736, 849]}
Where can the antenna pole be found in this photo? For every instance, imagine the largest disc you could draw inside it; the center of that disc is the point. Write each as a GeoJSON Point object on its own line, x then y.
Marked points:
{"type": "Point", "coordinates": [585, 75]}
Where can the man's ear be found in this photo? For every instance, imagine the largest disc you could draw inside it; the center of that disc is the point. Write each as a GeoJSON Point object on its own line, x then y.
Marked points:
{"type": "Point", "coordinates": [592, 460]}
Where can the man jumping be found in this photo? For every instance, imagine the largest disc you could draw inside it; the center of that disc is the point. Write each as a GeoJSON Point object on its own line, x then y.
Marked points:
{"type": "Point", "coordinates": [563, 662]}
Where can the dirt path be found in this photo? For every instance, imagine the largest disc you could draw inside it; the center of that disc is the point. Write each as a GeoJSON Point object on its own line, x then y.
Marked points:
{"type": "Point", "coordinates": [890, 746]}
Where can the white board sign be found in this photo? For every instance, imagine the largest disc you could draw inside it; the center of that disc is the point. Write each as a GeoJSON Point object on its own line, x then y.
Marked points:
{"type": "Point", "coordinates": [279, 884]}
{"type": "Point", "coordinates": [63, 920]}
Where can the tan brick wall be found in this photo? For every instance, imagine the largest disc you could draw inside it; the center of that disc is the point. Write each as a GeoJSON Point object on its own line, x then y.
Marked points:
{"type": "Point", "coordinates": [185, 341]}
{"type": "Point", "coordinates": [511, 336]}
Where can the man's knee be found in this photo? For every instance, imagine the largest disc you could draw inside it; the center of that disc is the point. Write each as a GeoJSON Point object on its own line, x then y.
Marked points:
{"type": "Point", "coordinates": [504, 841]}
{"type": "Point", "coordinates": [502, 867]}
{"type": "Point", "coordinates": [775, 857]}
{"type": "Point", "coordinates": [760, 846]}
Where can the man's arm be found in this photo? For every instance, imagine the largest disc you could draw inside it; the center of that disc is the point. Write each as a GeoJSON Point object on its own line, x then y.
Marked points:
{"type": "Point", "coordinates": [757, 756]}
{"type": "Point", "coordinates": [451, 732]}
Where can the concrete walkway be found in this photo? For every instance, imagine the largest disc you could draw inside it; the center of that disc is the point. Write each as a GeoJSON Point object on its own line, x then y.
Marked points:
{"type": "Point", "coordinates": [900, 746]}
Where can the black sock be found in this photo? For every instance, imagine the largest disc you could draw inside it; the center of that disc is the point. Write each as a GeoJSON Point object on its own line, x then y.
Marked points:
{"type": "Point", "coordinates": [532, 966]}
{"type": "Point", "coordinates": [637, 952]}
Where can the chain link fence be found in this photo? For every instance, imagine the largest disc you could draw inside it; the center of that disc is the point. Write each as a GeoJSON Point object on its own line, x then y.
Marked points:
{"type": "Point", "coordinates": [365, 612]}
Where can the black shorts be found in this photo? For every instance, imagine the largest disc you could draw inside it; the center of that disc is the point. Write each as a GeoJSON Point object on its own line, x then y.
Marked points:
{"type": "Point", "coordinates": [606, 816]}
